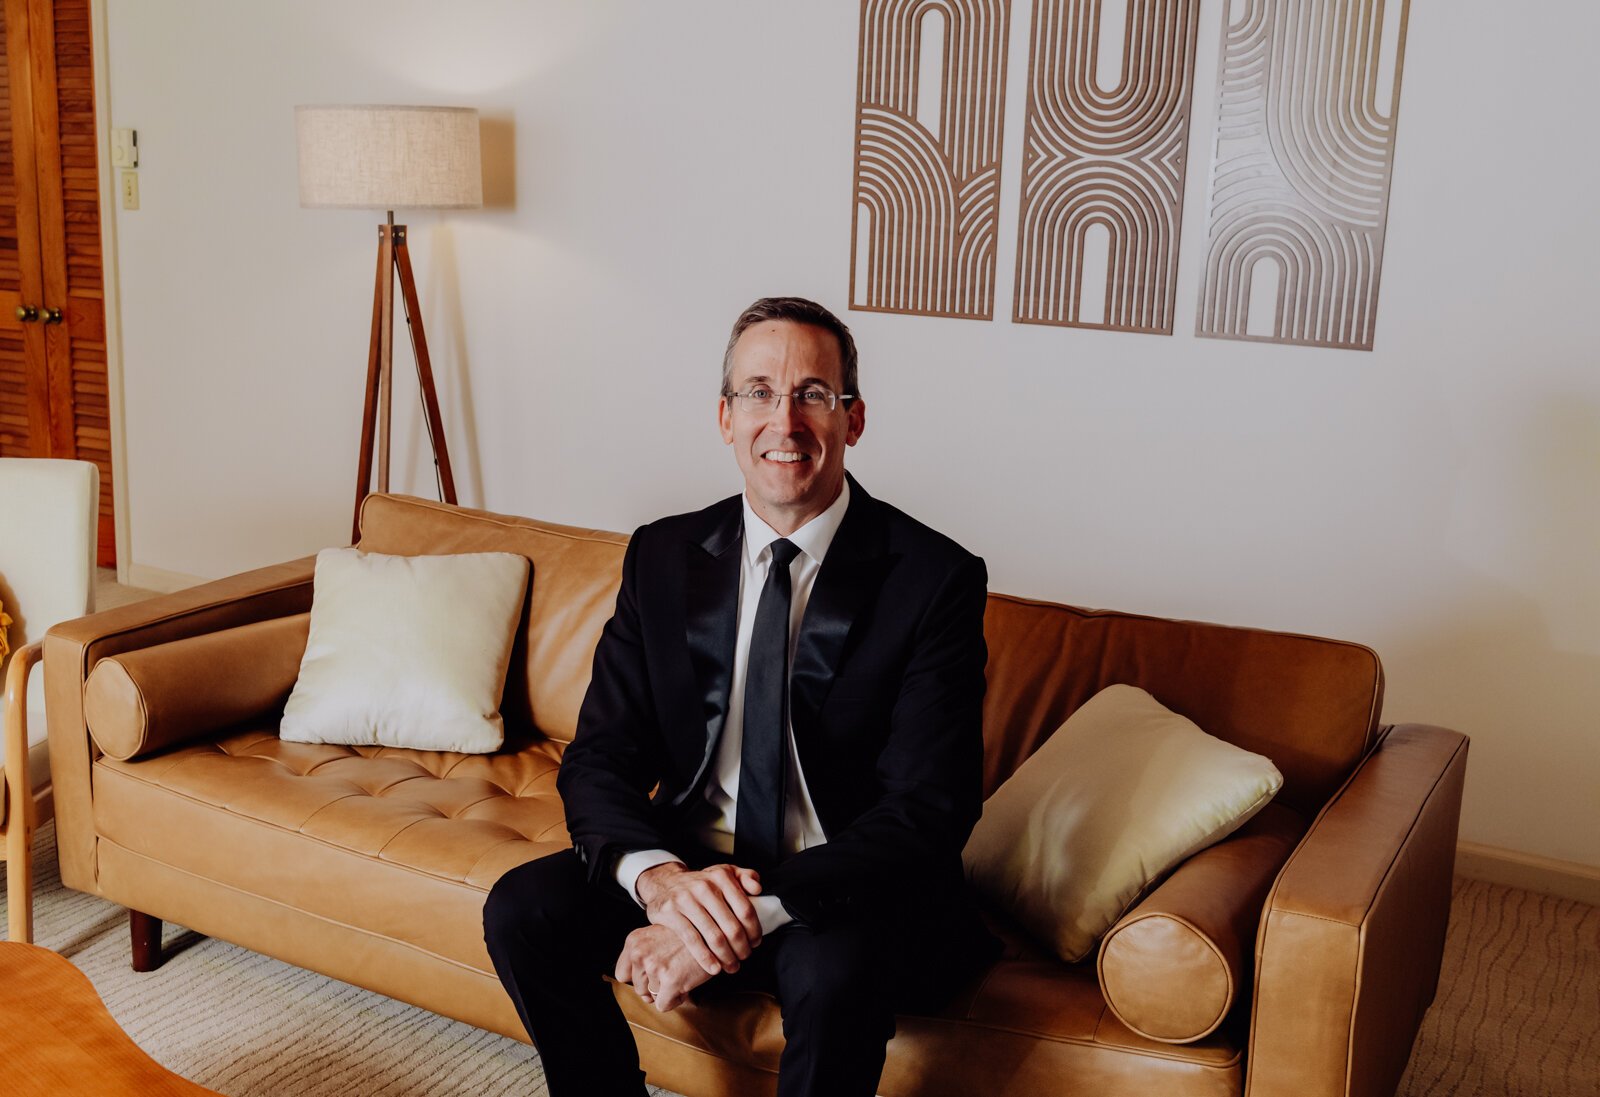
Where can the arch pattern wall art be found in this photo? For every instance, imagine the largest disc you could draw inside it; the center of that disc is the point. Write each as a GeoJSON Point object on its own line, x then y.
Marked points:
{"type": "Point", "coordinates": [929, 118]}
{"type": "Point", "coordinates": [1103, 165]}
{"type": "Point", "coordinates": [1308, 96]}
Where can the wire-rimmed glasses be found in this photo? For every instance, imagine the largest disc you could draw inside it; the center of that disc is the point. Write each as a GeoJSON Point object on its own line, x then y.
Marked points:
{"type": "Point", "coordinates": [812, 400]}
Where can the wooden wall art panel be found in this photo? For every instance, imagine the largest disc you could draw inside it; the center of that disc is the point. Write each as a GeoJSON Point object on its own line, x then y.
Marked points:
{"type": "Point", "coordinates": [1307, 102]}
{"type": "Point", "coordinates": [929, 116]}
{"type": "Point", "coordinates": [1104, 162]}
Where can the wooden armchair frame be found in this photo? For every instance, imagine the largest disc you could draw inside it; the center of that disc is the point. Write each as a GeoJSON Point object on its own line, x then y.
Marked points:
{"type": "Point", "coordinates": [20, 808]}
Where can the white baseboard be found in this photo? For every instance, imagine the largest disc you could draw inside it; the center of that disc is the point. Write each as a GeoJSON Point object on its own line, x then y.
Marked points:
{"type": "Point", "coordinates": [163, 582]}
{"type": "Point", "coordinates": [1546, 875]}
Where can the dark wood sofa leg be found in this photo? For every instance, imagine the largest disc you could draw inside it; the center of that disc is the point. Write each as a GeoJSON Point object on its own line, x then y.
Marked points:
{"type": "Point", "coordinates": [146, 934]}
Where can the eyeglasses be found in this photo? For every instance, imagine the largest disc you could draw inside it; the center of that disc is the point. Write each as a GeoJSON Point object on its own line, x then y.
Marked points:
{"type": "Point", "coordinates": [811, 400]}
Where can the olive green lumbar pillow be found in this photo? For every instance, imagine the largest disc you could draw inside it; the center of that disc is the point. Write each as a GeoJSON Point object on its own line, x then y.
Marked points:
{"type": "Point", "coordinates": [1123, 791]}
{"type": "Point", "coordinates": [408, 651]}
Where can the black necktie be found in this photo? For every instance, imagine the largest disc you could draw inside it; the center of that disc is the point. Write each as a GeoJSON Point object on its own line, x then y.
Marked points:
{"type": "Point", "coordinates": [758, 823]}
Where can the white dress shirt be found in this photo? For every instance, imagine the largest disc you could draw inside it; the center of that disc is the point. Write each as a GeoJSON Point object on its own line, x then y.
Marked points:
{"type": "Point", "coordinates": [801, 827]}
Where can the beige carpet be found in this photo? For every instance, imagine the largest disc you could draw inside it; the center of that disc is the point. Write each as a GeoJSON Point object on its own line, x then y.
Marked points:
{"type": "Point", "coordinates": [1518, 1010]}
{"type": "Point", "coordinates": [1517, 1015]}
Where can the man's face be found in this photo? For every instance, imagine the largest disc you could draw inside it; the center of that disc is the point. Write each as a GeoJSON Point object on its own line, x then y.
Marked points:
{"type": "Point", "coordinates": [792, 458]}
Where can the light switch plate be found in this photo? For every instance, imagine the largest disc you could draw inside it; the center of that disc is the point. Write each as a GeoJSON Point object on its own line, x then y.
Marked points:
{"type": "Point", "coordinates": [130, 189]}
{"type": "Point", "coordinates": [124, 148]}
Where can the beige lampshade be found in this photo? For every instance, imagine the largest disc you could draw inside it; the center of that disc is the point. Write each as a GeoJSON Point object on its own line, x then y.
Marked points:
{"type": "Point", "coordinates": [389, 157]}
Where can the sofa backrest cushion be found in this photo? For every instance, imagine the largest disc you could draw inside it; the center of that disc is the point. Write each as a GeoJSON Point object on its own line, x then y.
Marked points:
{"type": "Point", "coordinates": [1309, 704]}
{"type": "Point", "coordinates": [571, 595]}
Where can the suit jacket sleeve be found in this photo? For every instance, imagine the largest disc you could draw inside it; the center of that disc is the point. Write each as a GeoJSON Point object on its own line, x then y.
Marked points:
{"type": "Point", "coordinates": [616, 759]}
{"type": "Point", "coordinates": [905, 849]}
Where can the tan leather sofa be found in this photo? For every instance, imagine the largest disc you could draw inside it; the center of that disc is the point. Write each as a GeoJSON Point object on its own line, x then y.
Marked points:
{"type": "Point", "coordinates": [1294, 959]}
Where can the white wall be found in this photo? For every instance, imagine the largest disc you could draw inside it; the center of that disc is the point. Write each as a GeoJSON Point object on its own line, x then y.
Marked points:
{"type": "Point", "coordinates": [654, 166]}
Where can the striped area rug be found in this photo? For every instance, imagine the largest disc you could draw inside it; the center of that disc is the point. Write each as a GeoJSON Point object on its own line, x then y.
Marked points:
{"type": "Point", "coordinates": [1518, 1012]}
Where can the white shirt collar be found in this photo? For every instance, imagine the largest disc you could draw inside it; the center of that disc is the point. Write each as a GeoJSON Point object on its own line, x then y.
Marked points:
{"type": "Point", "coordinates": [813, 538]}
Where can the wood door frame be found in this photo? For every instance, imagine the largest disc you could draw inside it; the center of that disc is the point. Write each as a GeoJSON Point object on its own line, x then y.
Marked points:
{"type": "Point", "coordinates": [110, 285]}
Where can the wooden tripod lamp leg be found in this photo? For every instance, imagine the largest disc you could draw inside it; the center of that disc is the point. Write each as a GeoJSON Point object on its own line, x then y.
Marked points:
{"type": "Point", "coordinates": [378, 359]}
{"type": "Point", "coordinates": [419, 343]}
{"type": "Point", "coordinates": [393, 258]}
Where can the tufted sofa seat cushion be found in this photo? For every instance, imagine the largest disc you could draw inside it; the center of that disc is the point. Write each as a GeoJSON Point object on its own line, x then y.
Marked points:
{"type": "Point", "coordinates": [1033, 1024]}
{"type": "Point", "coordinates": [405, 843]}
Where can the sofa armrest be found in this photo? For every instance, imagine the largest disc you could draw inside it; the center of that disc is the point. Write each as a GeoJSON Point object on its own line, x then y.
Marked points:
{"type": "Point", "coordinates": [1173, 967]}
{"type": "Point", "coordinates": [72, 648]}
{"type": "Point", "coordinates": [1352, 937]}
{"type": "Point", "coordinates": [143, 701]}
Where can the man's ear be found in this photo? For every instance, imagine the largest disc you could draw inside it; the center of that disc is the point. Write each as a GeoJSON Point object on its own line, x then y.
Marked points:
{"type": "Point", "coordinates": [858, 422]}
{"type": "Point", "coordinates": [725, 420]}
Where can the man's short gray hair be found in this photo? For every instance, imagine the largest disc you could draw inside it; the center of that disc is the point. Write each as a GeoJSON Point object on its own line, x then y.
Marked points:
{"type": "Point", "coordinates": [796, 310]}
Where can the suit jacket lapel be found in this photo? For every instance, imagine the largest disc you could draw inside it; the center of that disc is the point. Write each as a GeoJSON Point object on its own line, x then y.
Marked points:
{"type": "Point", "coordinates": [711, 597]}
{"type": "Point", "coordinates": [850, 577]}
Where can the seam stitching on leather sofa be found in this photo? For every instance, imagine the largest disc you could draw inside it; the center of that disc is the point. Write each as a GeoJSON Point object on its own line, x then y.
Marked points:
{"type": "Point", "coordinates": [983, 985]}
{"type": "Point", "coordinates": [1317, 917]}
{"type": "Point", "coordinates": [458, 763]}
{"type": "Point", "coordinates": [397, 835]}
{"type": "Point", "coordinates": [144, 714]}
{"type": "Point", "coordinates": [1205, 938]}
{"type": "Point", "coordinates": [490, 851]}
{"type": "Point", "coordinates": [591, 537]}
{"type": "Point", "coordinates": [487, 799]}
{"type": "Point", "coordinates": [920, 1017]}
{"type": "Point", "coordinates": [1092, 1042]}
{"type": "Point", "coordinates": [697, 1049]}
{"type": "Point", "coordinates": [1383, 885]}
{"type": "Point", "coordinates": [1228, 1064]}
{"type": "Point", "coordinates": [1082, 611]}
{"type": "Point", "coordinates": [1400, 847]}
{"type": "Point", "coordinates": [1404, 843]}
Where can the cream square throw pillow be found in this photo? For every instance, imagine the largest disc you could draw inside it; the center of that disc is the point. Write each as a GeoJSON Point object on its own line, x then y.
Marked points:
{"type": "Point", "coordinates": [1123, 791]}
{"type": "Point", "coordinates": [407, 651]}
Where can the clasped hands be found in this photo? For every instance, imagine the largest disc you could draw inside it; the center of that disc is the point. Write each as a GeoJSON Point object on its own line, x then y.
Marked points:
{"type": "Point", "coordinates": [702, 923]}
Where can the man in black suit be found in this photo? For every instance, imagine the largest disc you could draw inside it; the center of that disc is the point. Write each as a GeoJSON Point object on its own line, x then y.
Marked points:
{"type": "Point", "coordinates": [806, 828]}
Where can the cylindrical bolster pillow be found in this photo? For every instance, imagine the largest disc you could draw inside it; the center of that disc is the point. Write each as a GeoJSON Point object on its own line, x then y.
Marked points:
{"type": "Point", "coordinates": [1173, 966]}
{"type": "Point", "coordinates": [155, 697]}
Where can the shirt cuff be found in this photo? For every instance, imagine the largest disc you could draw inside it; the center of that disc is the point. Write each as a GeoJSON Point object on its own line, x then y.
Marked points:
{"type": "Point", "coordinates": [631, 866]}
{"type": "Point", "coordinates": [771, 912]}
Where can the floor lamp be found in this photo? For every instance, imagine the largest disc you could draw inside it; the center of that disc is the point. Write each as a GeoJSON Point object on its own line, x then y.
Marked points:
{"type": "Point", "coordinates": [389, 158]}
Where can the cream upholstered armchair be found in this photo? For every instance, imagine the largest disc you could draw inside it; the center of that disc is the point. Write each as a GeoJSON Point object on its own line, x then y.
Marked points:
{"type": "Point", "coordinates": [48, 525]}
